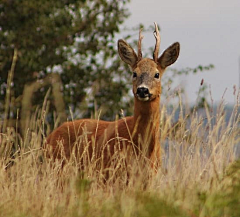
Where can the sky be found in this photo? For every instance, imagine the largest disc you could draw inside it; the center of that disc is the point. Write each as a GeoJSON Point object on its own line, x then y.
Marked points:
{"type": "Point", "coordinates": [208, 32]}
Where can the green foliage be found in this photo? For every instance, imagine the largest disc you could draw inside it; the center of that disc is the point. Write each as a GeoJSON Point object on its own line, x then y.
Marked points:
{"type": "Point", "coordinates": [153, 206]}
{"type": "Point", "coordinates": [75, 38]}
{"type": "Point", "coordinates": [82, 184]}
{"type": "Point", "coordinates": [225, 201]}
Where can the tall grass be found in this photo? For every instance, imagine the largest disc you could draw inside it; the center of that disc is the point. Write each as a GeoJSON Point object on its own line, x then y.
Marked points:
{"type": "Point", "coordinates": [199, 176]}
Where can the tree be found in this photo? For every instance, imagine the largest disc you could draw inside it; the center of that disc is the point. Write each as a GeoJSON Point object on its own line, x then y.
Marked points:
{"type": "Point", "coordinates": [72, 38]}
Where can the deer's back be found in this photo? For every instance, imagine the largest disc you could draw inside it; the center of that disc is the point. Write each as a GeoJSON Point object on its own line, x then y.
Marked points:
{"type": "Point", "coordinates": [85, 133]}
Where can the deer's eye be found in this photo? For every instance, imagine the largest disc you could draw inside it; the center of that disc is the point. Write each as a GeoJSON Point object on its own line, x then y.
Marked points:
{"type": "Point", "coordinates": [156, 75]}
{"type": "Point", "coordinates": [134, 74]}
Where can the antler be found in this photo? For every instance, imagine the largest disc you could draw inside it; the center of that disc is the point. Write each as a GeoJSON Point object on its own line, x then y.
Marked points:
{"type": "Point", "coordinates": [140, 45]}
{"type": "Point", "coordinates": [157, 45]}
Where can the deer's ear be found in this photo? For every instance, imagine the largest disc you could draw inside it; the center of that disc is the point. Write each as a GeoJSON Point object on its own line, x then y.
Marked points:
{"type": "Point", "coordinates": [127, 53]}
{"type": "Point", "coordinates": [169, 56]}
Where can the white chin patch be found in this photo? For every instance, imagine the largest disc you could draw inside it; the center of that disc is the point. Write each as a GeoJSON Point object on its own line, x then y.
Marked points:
{"type": "Point", "coordinates": [143, 99]}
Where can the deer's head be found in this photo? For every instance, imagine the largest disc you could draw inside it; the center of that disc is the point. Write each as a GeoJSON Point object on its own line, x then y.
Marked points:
{"type": "Point", "coordinates": [147, 72]}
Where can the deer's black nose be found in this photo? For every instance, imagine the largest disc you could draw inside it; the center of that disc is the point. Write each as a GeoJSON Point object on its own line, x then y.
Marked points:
{"type": "Point", "coordinates": [142, 92]}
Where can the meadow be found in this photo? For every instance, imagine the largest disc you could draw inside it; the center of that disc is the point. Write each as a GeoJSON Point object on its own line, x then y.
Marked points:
{"type": "Point", "coordinates": [199, 174]}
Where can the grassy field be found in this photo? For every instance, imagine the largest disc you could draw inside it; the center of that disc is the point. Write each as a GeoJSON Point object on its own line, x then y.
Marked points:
{"type": "Point", "coordinates": [199, 176]}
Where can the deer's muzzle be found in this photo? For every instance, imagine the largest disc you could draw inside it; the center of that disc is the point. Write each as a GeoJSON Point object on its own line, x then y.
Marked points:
{"type": "Point", "coordinates": [143, 93]}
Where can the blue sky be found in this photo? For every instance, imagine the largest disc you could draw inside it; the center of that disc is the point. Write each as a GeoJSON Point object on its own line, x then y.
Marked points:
{"type": "Point", "coordinates": [209, 33]}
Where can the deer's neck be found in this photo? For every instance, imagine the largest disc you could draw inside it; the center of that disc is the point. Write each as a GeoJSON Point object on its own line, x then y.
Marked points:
{"type": "Point", "coordinates": [146, 131]}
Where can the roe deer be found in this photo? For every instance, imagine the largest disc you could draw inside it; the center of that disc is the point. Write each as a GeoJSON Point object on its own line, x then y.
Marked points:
{"type": "Point", "coordinates": [140, 132]}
